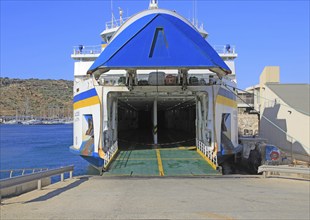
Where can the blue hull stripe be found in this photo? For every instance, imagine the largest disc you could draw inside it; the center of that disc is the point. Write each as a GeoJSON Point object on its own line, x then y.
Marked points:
{"type": "Point", "coordinates": [96, 162]}
{"type": "Point", "coordinates": [85, 95]}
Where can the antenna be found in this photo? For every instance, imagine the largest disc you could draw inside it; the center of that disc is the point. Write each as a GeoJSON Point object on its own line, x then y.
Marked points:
{"type": "Point", "coordinates": [112, 15]}
{"type": "Point", "coordinates": [193, 12]}
{"type": "Point", "coordinates": [120, 15]}
{"type": "Point", "coordinates": [195, 19]}
{"type": "Point", "coordinates": [196, 13]}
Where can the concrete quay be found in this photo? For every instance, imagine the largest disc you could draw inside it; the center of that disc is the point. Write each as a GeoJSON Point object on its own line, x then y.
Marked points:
{"type": "Point", "coordinates": [96, 197]}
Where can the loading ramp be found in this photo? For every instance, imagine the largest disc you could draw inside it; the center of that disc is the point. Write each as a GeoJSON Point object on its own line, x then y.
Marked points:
{"type": "Point", "coordinates": [175, 161]}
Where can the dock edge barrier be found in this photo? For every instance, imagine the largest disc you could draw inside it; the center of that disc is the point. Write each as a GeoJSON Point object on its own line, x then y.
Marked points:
{"type": "Point", "coordinates": [18, 180]}
{"type": "Point", "coordinates": [269, 169]}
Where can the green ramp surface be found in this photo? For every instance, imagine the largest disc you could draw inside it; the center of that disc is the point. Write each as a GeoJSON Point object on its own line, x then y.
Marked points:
{"type": "Point", "coordinates": [160, 162]}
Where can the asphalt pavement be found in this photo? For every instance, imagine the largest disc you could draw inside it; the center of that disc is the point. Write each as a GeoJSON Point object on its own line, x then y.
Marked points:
{"type": "Point", "coordinates": [222, 197]}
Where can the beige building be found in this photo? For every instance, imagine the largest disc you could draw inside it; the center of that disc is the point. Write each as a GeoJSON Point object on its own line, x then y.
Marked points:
{"type": "Point", "coordinates": [284, 113]}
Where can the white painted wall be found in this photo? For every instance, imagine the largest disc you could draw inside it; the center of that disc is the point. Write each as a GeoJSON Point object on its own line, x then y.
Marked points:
{"type": "Point", "coordinates": [294, 123]}
{"type": "Point", "coordinates": [80, 68]}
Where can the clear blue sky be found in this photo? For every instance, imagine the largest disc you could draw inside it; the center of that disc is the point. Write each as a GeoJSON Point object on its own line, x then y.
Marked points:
{"type": "Point", "coordinates": [37, 37]}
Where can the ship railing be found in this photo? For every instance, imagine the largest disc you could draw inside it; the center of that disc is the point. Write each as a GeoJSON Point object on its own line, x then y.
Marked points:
{"type": "Point", "coordinates": [115, 23]}
{"type": "Point", "coordinates": [97, 49]}
{"type": "Point", "coordinates": [81, 49]}
{"type": "Point", "coordinates": [110, 154]}
{"type": "Point", "coordinates": [225, 49]}
{"type": "Point", "coordinates": [208, 152]}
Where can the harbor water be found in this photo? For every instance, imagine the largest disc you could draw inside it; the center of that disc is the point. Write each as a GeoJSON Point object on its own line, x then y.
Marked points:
{"type": "Point", "coordinates": [39, 146]}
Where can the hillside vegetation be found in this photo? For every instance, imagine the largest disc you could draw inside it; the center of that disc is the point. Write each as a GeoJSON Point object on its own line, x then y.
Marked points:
{"type": "Point", "coordinates": [36, 97]}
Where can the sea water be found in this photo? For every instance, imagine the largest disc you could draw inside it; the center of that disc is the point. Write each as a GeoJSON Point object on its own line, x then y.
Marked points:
{"type": "Point", "coordinates": [39, 146]}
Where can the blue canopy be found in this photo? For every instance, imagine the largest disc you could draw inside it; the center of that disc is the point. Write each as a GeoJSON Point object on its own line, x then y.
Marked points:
{"type": "Point", "coordinates": [159, 41]}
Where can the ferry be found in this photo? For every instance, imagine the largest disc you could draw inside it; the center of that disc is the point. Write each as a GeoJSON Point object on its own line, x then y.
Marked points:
{"type": "Point", "coordinates": [155, 82]}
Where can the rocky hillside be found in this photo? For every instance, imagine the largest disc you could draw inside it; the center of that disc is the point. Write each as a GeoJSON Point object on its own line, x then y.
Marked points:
{"type": "Point", "coordinates": [36, 97]}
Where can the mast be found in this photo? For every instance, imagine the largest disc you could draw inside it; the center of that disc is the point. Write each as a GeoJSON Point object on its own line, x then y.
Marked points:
{"type": "Point", "coordinates": [112, 15]}
{"type": "Point", "coordinates": [120, 15]}
{"type": "Point", "coordinates": [195, 19]}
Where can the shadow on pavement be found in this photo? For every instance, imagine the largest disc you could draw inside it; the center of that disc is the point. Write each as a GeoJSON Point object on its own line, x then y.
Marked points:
{"type": "Point", "coordinates": [59, 191]}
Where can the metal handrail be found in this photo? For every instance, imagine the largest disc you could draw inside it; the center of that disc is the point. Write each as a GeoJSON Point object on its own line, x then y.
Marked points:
{"type": "Point", "coordinates": [223, 50]}
{"type": "Point", "coordinates": [208, 152]}
{"type": "Point", "coordinates": [88, 49]}
{"type": "Point", "coordinates": [115, 23]}
{"type": "Point", "coordinates": [23, 171]}
{"type": "Point", "coordinates": [97, 49]}
{"type": "Point", "coordinates": [14, 181]}
{"type": "Point", "coordinates": [110, 154]}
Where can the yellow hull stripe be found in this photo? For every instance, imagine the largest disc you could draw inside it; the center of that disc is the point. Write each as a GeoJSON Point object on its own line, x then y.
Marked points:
{"type": "Point", "coordinates": [226, 101]}
{"type": "Point", "coordinates": [86, 102]}
{"type": "Point", "coordinates": [160, 164]}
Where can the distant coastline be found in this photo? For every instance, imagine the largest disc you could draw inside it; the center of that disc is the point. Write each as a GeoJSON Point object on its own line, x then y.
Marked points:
{"type": "Point", "coordinates": [46, 100]}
